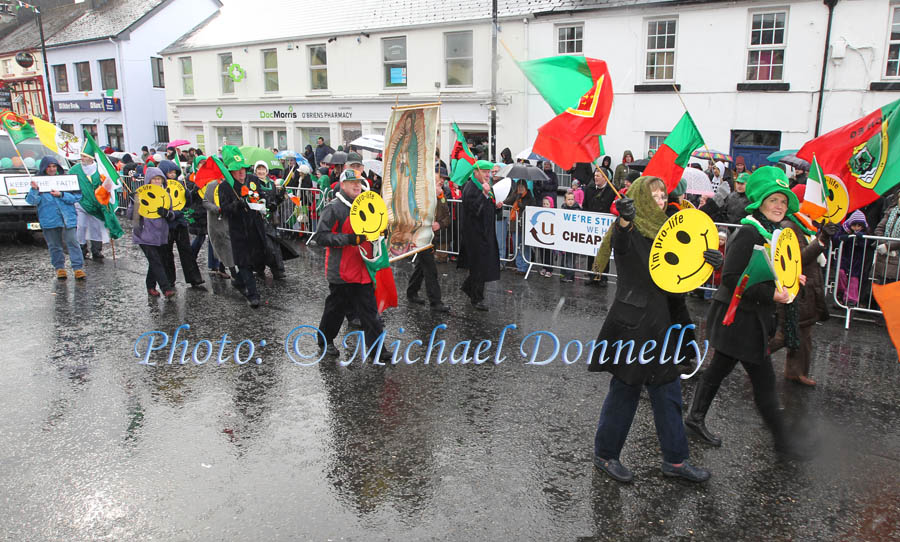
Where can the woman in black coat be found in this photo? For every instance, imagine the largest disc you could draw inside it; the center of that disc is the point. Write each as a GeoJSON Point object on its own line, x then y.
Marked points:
{"type": "Point", "coordinates": [642, 313]}
{"type": "Point", "coordinates": [247, 231]}
{"type": "Point", "coordinates": [746, 339]}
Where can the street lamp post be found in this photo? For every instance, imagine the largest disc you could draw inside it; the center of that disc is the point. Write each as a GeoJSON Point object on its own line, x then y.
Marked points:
{"type": "Point", "coordinates": [46, 67]}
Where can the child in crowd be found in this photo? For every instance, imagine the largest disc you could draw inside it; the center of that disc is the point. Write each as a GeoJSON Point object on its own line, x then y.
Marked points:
{"type": "Point", "coordinates": [571, 204]}
{"type": "Point", "coordinates": [546, 254]}
{"type": "Point", "coordinates": [852, 257]}
{"type": "Point", "coordinates": [152, 235]}
{"type": "Point", "coordinates": [578, 193]}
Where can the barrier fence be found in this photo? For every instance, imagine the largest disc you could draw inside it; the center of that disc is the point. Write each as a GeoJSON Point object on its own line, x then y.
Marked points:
{"type": "Point", "coordinates": [856, 264]}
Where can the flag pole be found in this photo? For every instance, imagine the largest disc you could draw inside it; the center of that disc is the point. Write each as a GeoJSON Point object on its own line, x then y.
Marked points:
{"type": "Point", "coordinates": [675, 88]}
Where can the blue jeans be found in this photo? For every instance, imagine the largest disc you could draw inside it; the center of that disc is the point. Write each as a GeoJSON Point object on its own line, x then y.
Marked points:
{"type": "Point", "coordinates": [618, 413]}
{"type": "Point", "coordinates": [197, 244]}
{"type": "Point", "coordinates": [521, 256]}
{"type": "Point", "coordinates": [55, 238]}
{"type": "Point", "coordinates": [502, 229]}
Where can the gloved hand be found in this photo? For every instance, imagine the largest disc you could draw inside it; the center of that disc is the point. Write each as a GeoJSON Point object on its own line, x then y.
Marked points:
{"type": "Point", "coordinates": [354, 239]}
{"type": "Point", "coordinates": [830, 229]}
{"type": "Point", "coordinates": [626, 209]}
{"type": "Point", "coordinates": [162, 212]}
{"type": "Point", "coordinates": [882, 249]}
{"type": "Point", "coordinates": [713, 258]}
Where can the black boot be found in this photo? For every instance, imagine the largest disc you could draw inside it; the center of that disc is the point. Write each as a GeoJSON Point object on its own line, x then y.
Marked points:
{"type": "Point", "coordinates": [696, 418]}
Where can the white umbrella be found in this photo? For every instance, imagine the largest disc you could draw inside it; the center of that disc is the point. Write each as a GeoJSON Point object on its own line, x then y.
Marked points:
{"type": "Point", "coordinates": [120, 155]}
{"type": "Point", "coordinates": [502, 188]}
{"type": "Point", "coordinates": [376, 166]}
{"type": "Point", "coordinates": [697, 182]}
{"type": "Point", "coordinates": [371, 142]}
{"type": "Point", "coordinates": [528, 154]}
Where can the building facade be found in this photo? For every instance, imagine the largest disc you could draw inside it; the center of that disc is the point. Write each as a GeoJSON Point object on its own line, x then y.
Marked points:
{"type": "Point", "coordinates": [749, 72]}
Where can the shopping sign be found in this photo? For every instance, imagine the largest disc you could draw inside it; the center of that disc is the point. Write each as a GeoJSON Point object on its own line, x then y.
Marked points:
{"type": "Point", "coordinates": [579, 232]}
{"type": "Point", "coordinates": [19, 185]}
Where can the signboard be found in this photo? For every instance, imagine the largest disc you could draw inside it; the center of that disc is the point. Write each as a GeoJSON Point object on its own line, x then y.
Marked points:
{"type": "Point", "coordinates": [112, 104]}
{"type": "Point", "coordinates": [19, 185]}
{"type": "Point", "coordinates": [62, 106]}
{"type": "Point", "coordinates": [579, 232]}
{"type": "Point", "coordinates": [398, 76]}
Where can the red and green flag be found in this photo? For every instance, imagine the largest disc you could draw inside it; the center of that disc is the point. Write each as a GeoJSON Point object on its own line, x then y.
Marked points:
{"type": "Point", "coordinates": [864, 154]}
{"type": "Point", "coordinates": [18, 128]}
{"type": "Point", "coordinates": [579, 91]}
{"type": "Point", "coordinates": [212, 169]}
{"type": "Point", "coordinates": [672, 156]}
{"type": "Point", "coordinates": [759, 269]}
{"type": "Point", "coordinates": [462, 161]}
{"type": "Point", "coordinates": [379, 268]}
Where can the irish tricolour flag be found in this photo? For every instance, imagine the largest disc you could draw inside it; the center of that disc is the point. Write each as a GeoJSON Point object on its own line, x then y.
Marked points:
{"type": "Point", "coordinates": [673, 155]}
{"type": "Point", "coordinates": [109, 177]}
{"type": "Point", "coordinates": [814, 205]}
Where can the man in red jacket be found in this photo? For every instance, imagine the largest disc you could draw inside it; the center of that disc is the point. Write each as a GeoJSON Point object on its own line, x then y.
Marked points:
{"type": "Point", "coordinates": [351, 287]}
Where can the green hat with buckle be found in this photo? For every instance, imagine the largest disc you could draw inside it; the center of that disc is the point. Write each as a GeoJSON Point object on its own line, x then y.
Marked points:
{"type": "Point", "coordinates": [233, 158]}
{"type": "Point", "coordinates": [766, 181]}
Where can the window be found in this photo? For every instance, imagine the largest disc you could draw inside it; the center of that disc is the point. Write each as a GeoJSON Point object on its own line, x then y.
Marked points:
{"type": "Point", "coordinates": [162, 132]}
{"type": "Point", "coordinates": [61, 77]}
{"type": "Point", "coordinates": [660, 50]}
{"type": "Point", "coordinates": [108, 74]}
{"type": "Point", "coordinates": [458, 52]}
{"type": "Point", "coordinates": [318, 68]}
{"type": "Point", "coordinates": [569, 39]}
{"type": "Point", "coordinates": [230, 135]}
{"type": "Point", "coordinates": [310, 135]}
{"type": "Point", "coordinates": [765, 55]}
{"type": "Point", "coordinates": [91, 129]}
{"type": "Point", "coordinates": [270, 70]}
{"type": "Point", "coordinates": [116, 136]}
{"type": "Point", "coordinates": [156, 70]}
{"type": "Point", "coordinates": [187, 76]}
{"type": "Point", "coordinates": [67, 127]}
{"type": "Point", "coordinates": [394, 62]}
{"type": "Point", "coordinates": [83, 74]}
{"type": "Point", "coordinates": [893, 52]}
{"type": "Point", "coordinates": [227, 81]}
{"type": "Point", "coordinates": [655, 141]}
{"type": "Point", "coordinates": [274, 139]}
{"type": "Point", "coordinates": [7, 67]}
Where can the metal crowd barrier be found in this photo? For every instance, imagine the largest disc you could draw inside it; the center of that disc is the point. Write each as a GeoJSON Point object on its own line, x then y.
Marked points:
{"type": "Point", "coordinates": [854, 293]}
{"type": "Point", "coordinates": [302, 219]}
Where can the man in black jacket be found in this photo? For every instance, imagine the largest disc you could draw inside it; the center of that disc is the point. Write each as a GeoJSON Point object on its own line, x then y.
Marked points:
{"type": "Point", "coordinates": [478, 249]}
{"type": "Point", "coordinates": [598, 198]}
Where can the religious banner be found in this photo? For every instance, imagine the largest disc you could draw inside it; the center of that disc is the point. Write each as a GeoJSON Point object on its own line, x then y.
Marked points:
{"type": "Point", "coordinates": [409, 188]}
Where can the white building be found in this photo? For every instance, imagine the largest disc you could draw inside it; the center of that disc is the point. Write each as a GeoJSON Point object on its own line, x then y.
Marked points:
{"type": "Point", "coordinates": [749, 71]}
{"type": "Point", "coordinates": [106, 74]}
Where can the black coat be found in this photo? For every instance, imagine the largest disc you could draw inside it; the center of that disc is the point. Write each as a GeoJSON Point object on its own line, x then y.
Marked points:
{"type": "Point", "coordinates": [245, 226]}
{"type": "Point", "coordinates": [479, 251]}
{"type": "Point", "coordinates": [641, 312]}
{"type": "Point", "coordinates": [197, 224]}
{"type": "Point", "coordinates": [748, 336]}
{"type": "Point", "coordinates": [598, 200]}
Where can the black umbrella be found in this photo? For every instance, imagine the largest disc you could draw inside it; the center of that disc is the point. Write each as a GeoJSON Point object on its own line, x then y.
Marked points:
{"type": "Point", "coordinates": [639, 165]}
{"type": "Point", "coordinates": [795, 162]}
{"type": "Point", "coordinates": [340, 157]}
{"type": "Point", "coordinates": [522, 172]}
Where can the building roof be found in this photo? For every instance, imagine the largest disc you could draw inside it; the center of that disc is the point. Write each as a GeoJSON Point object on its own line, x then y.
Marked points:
{"type": "Point", "coordinates": [25, 36]}
{"type": "Point", "coordinates": [108, 21]}
{"type": "Point", "coordinates": [242, 21]}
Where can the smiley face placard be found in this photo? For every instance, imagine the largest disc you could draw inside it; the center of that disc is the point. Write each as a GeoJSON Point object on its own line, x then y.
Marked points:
{"type": "Point", "coordinates": [786, 261]}
{"type": "Point", "coordinates": [836, 198]}
{"type": "Point", "coordinates": [151, 197]}
{"type": "Point", "coordinates": [676, 257]}
{"type": "Point", "coordinates": [368, 216]}
{"type": "Point", "coordinates": [178, 193]}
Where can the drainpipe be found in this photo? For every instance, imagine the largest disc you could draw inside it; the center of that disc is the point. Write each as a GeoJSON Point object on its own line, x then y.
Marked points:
{"type": "Point", "coordinates": [830, 4]}
{"type": "Point", "coordinates": [121, 84]}
{"type": "Point", "coordinates": [494, 66]}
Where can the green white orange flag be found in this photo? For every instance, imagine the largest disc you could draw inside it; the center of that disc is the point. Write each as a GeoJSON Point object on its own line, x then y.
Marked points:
{"type": "Point", "coordinates": [579, 91]}
{"type": "Point", "coordinates": [672, 156]}
{"type": "Point", "coordinates": [18, 128]}
{"type": "Point", "coordinates": [864, 154]}
{"type": "Point", "coordinates": [109, 177]}
{"type": "Point", "coordinates": [462, 161]}
{"type": "Point", "coordinates": [814, 205]}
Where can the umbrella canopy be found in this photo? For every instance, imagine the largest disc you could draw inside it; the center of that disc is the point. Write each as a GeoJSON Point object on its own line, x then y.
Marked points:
{"type": "Point", "coordinates": [371, 142]}
{"type": "Point", "coordinates": [778, 155]}
{"type": "Point", "coordinates": [339, 157]}
{"type": "Point", "coordinates": [639, 165]}
{"type": "Point", "coordinates": [501, 189]}
{"type": "Point", "coordinates": [522, 172]}
{"type": "Point", "coordinates": [697, 182]}
{"type": "Point", "coordinates": [795, 162]}
{"type": "Point", "coordinates": [120, 155]}
{"type": "Point", "coordinates": [375, 166]}
{"type": "Point", "coordinates": [254, 154]}
{"type": "Point", "coordinates": [528, 154]}
{"type": "Point", "coordinates": [708, 154]}
{"type": "Point", "coordinates": [288, 154]}
{"type": "Point", "coordinates": [179, 143]}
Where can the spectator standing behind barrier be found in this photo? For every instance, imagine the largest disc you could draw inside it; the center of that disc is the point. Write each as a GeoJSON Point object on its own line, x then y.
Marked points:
{"type": "Point", "coordinates": [547, 254]}
{"type": "Point", "coordinates": [478, 248]}
{"type": "Point", "coordinates": [56, 214]}
{"type": "Point", "coordinates": [622, 170]}
{"type": "Point", "coordinates": [568, 259]}
{"type": "Point", "coordinates": [887, 259]}
{"type": "Point", "coordinates": [853, 257]}
{"type": "Point", "coordinates": [518, 199]}
{"type": "Point", "coordinates": [598, 198]}
{"type": "Point", "coordinates": [501, 226]}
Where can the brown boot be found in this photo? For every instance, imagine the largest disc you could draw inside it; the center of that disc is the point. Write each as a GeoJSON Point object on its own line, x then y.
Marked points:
{"type": "Point", "coordinates": [806, 381]}
{"type": "Point", "coordinates": [80, 274]}
{"type": "Point", "coordinates": [61, 274]}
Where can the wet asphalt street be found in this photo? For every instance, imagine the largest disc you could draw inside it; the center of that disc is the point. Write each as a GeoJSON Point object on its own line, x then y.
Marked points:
{"type": "Point", "coordinates": [96, 446]}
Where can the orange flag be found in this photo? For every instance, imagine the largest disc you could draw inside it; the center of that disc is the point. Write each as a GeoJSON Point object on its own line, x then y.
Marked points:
{"type": "Point", "coordinates": [888, 298]}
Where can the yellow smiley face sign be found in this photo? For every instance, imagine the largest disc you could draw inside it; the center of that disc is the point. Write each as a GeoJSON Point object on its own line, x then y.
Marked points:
{"type": "Point", "coordinates": [150, 198]}
{"type": "Point", "coordinates": [786, 261]}
{"type": "Point", "coordinates": [676, 256]}
{"type": "Point", "coordinates": [368, 216]}
{"type": "Point", "coordinates": [216, 195]}
{"type": "Point", "coordinates": [836, 198]}
{"type": "Point", "coordinates": [178, 193]}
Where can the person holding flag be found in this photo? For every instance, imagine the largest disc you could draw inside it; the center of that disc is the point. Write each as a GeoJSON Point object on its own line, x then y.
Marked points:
{"type": "Point", "coordinates": [350, 285]}
{"type": "Point", "coordinates": [746, 339]}
{"type": "Point", "coordinates": [98, 180]}
{"type": "Point", "coordinates": [479, 251]}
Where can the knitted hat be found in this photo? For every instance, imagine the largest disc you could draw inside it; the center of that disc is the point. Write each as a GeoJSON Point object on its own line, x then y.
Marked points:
{"type": "Point", "coordinates": [766, 181]}
{"type": "Point", "coordinates": [856, 217]}
{"type": "Point", "coordinates": [233, 158]}
{"type": "Point", "coordinates": [680, 189]}
{"type": "Point", "coordinates": [153, 172]}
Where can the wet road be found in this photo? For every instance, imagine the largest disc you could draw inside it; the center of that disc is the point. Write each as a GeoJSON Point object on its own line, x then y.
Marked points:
{"type": "Point", "coordinates": [94, 445]}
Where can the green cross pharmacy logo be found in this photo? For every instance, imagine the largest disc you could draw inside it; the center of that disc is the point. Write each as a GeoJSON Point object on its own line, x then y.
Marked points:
{"type": "Point", "coordinates": [219, 112]}
{"type": "Point", "coordinates": [236, 72]}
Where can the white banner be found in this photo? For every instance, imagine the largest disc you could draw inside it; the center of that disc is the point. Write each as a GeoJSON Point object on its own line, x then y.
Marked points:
{"type": "Point", "coordinates": [579, 232]}
{"type": "Point", "coordinates": [19, 185]}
